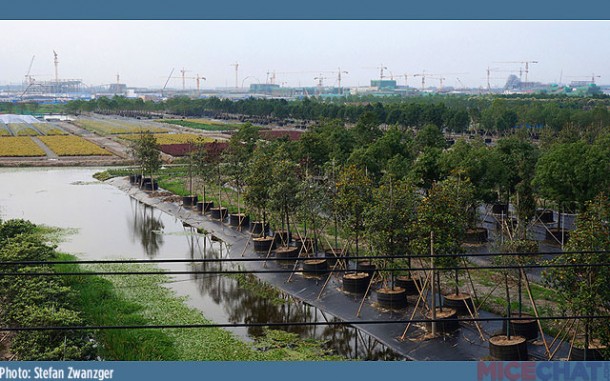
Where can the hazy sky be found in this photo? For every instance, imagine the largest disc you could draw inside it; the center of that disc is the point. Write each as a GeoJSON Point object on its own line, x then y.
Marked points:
{"type": "Point", "coordinates": [144, 52]}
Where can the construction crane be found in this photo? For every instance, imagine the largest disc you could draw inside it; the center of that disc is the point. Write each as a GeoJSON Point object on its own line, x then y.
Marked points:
{"type": "Point", "coordinates": [527, 63]}
{"type": "Point", "coordinates": [497, 70]}
{"type": "Point", "coordinates": [320, 80]}
{"type": "Point", "coordinates": [56, 62]}
{"type": "Point", "coordinates": [166, 82]}
{"type": "Point", "coordinates": [28, 77]}
{"type": "Point", "coordinates": [183, 72]}
{"type": "Point", "coordinates": [236, 73]}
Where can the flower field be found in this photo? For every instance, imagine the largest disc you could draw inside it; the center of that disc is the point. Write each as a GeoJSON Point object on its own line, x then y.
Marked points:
{"type": "Point", "coordinates": [117, 127]}
{"type": "Point", "coordinates": [70, 145]}
{"type": "Point", "coordinates": [19, 146]}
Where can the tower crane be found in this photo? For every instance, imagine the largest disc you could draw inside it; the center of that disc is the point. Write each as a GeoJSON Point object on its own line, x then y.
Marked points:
{"type": "Point", "coordinates": [236, 73]}
{"type": "Point", "coordinates": [28, 77]}
{"type": "Point", "coordinates": [56, 63]}
{"type": "Point", "coordinates": [527, 63]}
{"type": "Point", "coordinates": [183, 72]}
{"type": "Point", "coordinates": [320, 80]}
{"type": "Point", "coordinates": [339, 72]}
{"type": "Point", "coordinates": [495, 70]}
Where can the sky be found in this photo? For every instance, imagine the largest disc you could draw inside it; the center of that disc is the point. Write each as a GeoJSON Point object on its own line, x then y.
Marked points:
{"type": "Point", "coordinates": [144, 53]}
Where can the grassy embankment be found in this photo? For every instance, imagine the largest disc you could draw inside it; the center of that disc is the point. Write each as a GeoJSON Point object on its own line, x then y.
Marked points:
{"type": "Point", "coordinates": [143, 300]}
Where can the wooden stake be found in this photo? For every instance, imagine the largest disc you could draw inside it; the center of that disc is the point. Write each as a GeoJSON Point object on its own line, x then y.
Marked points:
{"type": "Point", "coordinates": [366, 293]}
{"type": "Point", "coordinates": [419, 299]}
{"type": "Point", "coordinates": [529, 293]}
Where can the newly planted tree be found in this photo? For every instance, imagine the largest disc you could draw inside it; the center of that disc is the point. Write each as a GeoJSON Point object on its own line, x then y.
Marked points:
{"type": "Point", "coordinates": [353, 199]}
{"type": "Point", "coordinates": [392, 212]}
{"type": "Point", "coordinates": [584, 287]}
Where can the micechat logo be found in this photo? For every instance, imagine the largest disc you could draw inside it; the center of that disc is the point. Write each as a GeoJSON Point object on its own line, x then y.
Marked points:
{"type": "Point", "coordinates": [543, 371]}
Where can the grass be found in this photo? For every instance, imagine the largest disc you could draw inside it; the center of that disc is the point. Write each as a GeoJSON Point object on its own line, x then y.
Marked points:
{"type": "Point", "coordinates": [143, 300]}
{"type": "Point", "coordinates": [201, 124]}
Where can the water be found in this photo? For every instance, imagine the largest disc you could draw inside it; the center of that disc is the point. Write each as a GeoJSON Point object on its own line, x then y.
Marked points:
{"type": "Point", "coordinates": [111, 225]}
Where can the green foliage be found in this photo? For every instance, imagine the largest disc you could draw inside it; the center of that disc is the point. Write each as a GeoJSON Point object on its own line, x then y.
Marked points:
{"type": "Point", "coordinates": [259, 179]}
{"type": "Point", "coordinates": [388, 221]}
{"type": "Point", "coordinates": [38, 301]}
{"type": "Point", "coordinates": [585, 290]}
{"type": "Point", "coordinates": [353, 198]}
{"type": "Point", "coordinates": [573, 173]}
{"type": "Point", "coordinates": [147, 153]}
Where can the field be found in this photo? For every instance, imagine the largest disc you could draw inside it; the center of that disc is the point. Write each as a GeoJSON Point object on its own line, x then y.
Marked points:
{"type": "Point", "coordinates": [202, 124]}
{"type": "Point", "coordinates": [173, 138]}
{"type": "Point", "coordinates": [4, 130]}
{"type": "Point", "coordinates": [71, 145]}
{"type": "Point", "coordinates": [22, 129]}
{"type": "Point", "coordinates": [19, 146]}
{"type": "Point", "coordinates": [117, 127]}
{"type": "Point", "coordinates": [49, 129]}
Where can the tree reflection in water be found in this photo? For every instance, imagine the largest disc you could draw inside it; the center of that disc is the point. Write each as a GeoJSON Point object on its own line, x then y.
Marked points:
{"type": "Point", "coordinates": [243, 305]}
{"type": "Point", "coordinates": [146, 227]}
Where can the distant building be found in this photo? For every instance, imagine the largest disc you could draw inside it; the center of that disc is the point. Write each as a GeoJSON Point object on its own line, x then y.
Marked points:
{"type": "Point", "coordinates": [383, 84]}
{"type": "Point", "coordinates": [264, 88]}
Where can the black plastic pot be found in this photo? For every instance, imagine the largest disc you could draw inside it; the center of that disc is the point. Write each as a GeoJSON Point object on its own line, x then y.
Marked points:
{"type": "Point", "coordinates": [256, 227]}
{"type": "Point", "coordinates": [514, 350]}
{"type": "Point", "coordinates": [263, 244]}
{"type": "Point", "coordinates": [282, 237]}
{"type": "Point", "coordinates": [391, 298]}
{"type": "Point", "coordinates": [132, 179]}
{"type": "Point", "coordinates": [289, 253]}
{"type": "Point", "coordinates": [189, 201]}
{"type": "Point", "coordinates": [206, 206]}
{"type": "Point", "coordinates": [408, 284]}
{"type": "Point", "coordinates": [239, 220]}
{"type": "Point", "coordinates": [578, 354]}
{"type": "Point", "coordinates": [524, 328]}
{"type": "Point", "coordinates": [307, 244]}
{"type": "Point", "coordinates": [545, 216]}
{"type": "Point", "coordinates": [448, 321]}
{"type": "Point", "coordinates": [476, 235]}
{"type": "Point", "coordinates": [315, 267]}
{"type": "Point", "coordinates": [219, 213]}
{"type": "Point", "coordinates": [366, 266]}
{"type": "Point", "coordinates": [148, 185]}
{"type": "Point", "coordinates": [200, 206]}
{"type": "Point", "coordinates": [499, 208]}
{"type": "Point", "coordinates": [356, 283]}
{"type": "Point", "coordinates": [459, 302]}
{"type": "Point", "coordinates": [332, 257]}
{"type": "Point", "coordinates": [556, 234]}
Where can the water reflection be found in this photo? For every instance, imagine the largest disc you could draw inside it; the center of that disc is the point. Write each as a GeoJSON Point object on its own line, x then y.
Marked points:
{"type": "Point", "coordinates": [146, 227]}
{"type": "Point", "coordinates": [254, 303]}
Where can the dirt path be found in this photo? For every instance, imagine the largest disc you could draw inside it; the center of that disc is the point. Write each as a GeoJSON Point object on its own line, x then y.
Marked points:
{"type": "Point", "coordinates": [50, 154]}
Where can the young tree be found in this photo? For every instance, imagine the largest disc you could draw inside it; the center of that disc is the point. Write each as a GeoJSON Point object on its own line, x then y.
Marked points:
{"type": "Point", "coordinates": [258, 181]}
{"type": "Point", "coordinates": [353, 199]}
{"type": "Point", "coordinates": [393, 210]}
{"type": "Point", "coordinates": [147, 154]}
{"type": "Point", "coordinates": [446, 213]}
{"type": "Point", "coordinates": [585, 290]}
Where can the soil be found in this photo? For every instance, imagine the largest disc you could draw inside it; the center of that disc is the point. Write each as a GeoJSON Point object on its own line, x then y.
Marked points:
{"type": "Point", "coordinates": [445, 313]}
{"type": "Point", "coordinates": [314, 261]}
{"type": "Point", "coordinates": [356, 275]}
{"type": "Point", "coordinates": [396, 290]}
{"type": "Point", "coordinates": [459, 296]}
{"type": "Point", "coordinates": [593, 344]}
{"type": "Point", "coordinates": [505, 341]}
